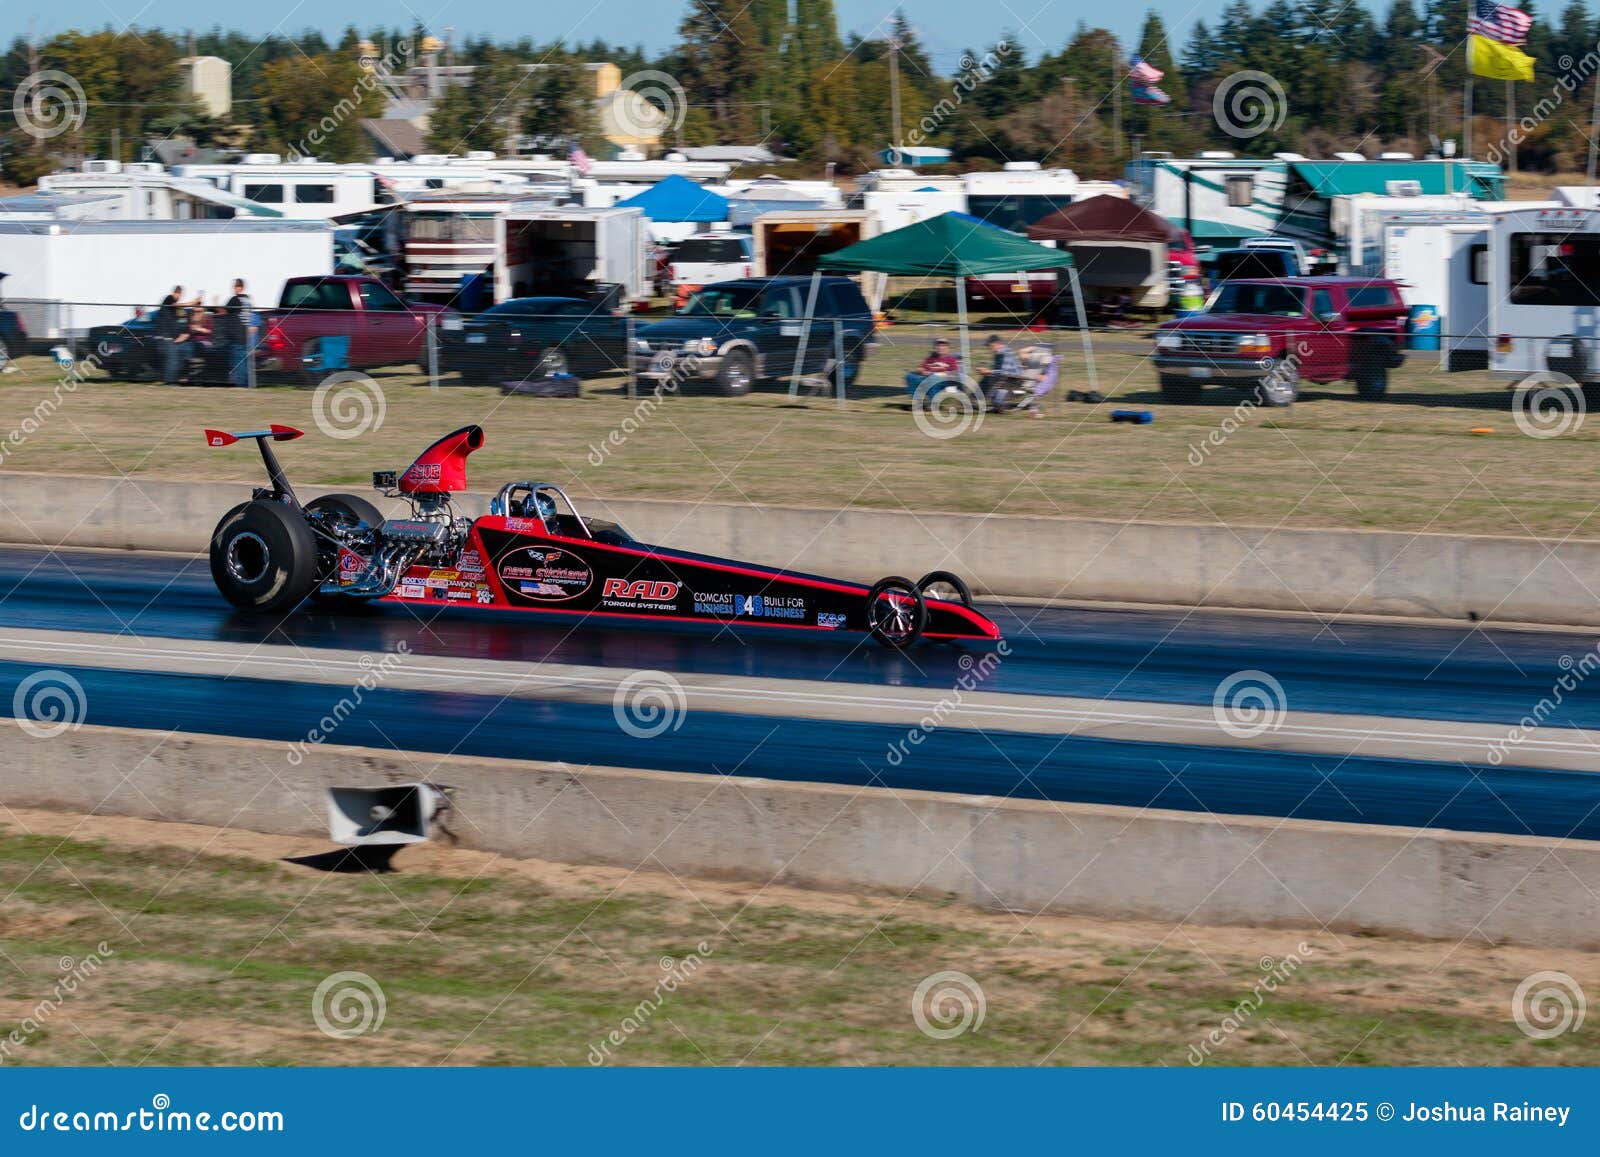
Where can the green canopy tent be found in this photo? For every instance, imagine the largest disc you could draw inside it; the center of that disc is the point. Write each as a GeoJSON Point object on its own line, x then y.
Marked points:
{"type": "Point", "coordinates": [950, 245]}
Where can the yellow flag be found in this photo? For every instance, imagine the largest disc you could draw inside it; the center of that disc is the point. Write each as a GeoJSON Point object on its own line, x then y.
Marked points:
{"type": "Point", "coordinates": [1490, 58]}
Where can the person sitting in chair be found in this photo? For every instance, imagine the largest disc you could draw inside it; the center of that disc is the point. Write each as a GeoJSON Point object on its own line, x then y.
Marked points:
{"type": "Point", "coordinates": [1004, 378]}
{"type": "Point", "coordinates": [940, 361]}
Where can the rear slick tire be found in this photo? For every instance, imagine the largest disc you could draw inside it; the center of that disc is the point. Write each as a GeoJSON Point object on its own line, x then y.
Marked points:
{"type": "Point", "coordinates": [264, 557]}
{"type": "Point", "coordinates": [896, 612]}
{"type": "Point", "coordinates": [935, 579]}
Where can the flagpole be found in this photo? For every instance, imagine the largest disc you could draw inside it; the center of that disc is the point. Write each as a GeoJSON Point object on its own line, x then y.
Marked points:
{"type": "Point", "coordinates": [1466, 103]}
{"type": "Point", "coordinates": [1511, 118]}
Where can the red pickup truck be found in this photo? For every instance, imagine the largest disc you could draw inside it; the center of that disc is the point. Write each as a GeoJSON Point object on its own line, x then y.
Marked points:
{"type": "Point", "coordinates": [383, 330]}
{"type": "Point", "coordinates": [1270, 335]}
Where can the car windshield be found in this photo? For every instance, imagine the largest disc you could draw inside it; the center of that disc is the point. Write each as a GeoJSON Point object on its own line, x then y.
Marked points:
{"type": "Point", "coordinates": [724, 301]}
{"type": "Point", "coordinates": [1269, 300]}
{"type": "Point", "coordinates": [727, 250]}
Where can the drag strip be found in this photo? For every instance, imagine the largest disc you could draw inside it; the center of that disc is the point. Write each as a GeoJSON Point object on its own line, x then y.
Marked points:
{"type": "Point", "coordinates": [1461, 673]}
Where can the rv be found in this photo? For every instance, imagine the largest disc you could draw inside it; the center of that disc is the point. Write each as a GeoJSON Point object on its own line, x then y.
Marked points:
{"type": "Point", "coordinates": [306, 190]}
{"type": "Point", "coordinates": [1544, 293]}
{"type": "Point", "coordinates": [450, 236]}
{"type": "Point", "coordinates": [137, 192]}
{"type": "Point", "coordinates": [1219, 198]}
{"type": "Point", "coordinates": [1018, 196]}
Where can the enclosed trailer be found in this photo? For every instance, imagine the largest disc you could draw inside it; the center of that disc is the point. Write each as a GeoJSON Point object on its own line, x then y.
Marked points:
{"type": "Point", "coordinates": [1544, 293]}
{"type": "Point", "coordinates": [65, 278]}
{"type": "Point", "coordinates": [568, 252]}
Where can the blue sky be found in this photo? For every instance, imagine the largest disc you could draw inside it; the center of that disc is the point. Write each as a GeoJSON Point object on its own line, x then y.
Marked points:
{"type": "Point", "coordinates": [947, 26]}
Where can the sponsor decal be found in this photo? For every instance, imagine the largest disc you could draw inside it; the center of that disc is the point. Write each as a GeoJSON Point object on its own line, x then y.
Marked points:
{"type": "Point", "coordinates": [422, 473]}
{"type": "Point", "coordinates": [713, 603]}
{"type": "Point", "coordinates": [770, 606]}
{"type": "Point", "coordinates": [525, 524]}
{"type": "Point", "coordinates": [643, 589]}
{"type": "Point", "coordinates": [485, 595]}
{"type": "Point", "coordinates": [830, 620]}
{"type": "Point", "coordinates": [410, 590]}
{"type": "Point", "coordinates": [351, 565]}
{"type": "Point", "coordinates": [470, 563]}
{"type": "Point", "coordinates": [445, 574]}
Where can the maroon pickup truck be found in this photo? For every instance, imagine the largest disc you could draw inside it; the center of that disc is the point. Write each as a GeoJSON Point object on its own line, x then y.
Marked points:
{"type": "Point", "coordinates": [1270, 335]}
{"type": "Point", "coordinates": [383, 330]}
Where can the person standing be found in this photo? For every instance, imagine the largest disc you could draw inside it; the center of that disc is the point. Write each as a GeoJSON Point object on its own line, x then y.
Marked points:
{"type": "Point", "coordinates": [169, 330]}
{"type": "Point", "coordinates": [235, 335]}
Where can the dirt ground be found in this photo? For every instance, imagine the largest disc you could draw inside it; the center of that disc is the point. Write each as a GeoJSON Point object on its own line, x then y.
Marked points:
{"type": "Point", "coordinates": [193, 945]}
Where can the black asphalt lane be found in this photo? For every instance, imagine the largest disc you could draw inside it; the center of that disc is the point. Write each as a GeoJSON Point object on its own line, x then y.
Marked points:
{"type": "Point", "coordinates": [1461, 672]}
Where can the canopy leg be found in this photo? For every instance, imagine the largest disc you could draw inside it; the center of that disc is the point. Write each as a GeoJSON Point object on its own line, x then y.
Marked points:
{"type": "Point", "coordinates": [805, 334]}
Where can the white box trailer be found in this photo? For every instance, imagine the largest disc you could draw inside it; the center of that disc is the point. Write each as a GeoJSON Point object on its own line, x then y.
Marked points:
{"type": "Point", "coordinates": [565, 252]}
{"type": "Point", "coordinates": [66, 277]}
{"type": "Point", "coordinates": [1445, 266]}
{"type": "Point", "coordinates": [897, 208]}
{"type": "Point", "coordinates": [791, 241]}
{"type": "Point", "coordinates": [1544, 293]}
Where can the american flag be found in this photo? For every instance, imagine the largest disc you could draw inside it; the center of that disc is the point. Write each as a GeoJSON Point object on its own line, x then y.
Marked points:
{"type": "Point", "coordinates": [1499, 22]}
{"type": "Point", "coordinates": [1142, 73]}
{"type": "Point", "coordinates": [579, 160]}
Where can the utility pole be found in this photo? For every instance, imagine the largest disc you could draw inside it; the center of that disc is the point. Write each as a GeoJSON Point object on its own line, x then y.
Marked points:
{"type": "Point", "coordinates": [1116, 102]}
{"type": "Point", "coordinates": [894, 96]}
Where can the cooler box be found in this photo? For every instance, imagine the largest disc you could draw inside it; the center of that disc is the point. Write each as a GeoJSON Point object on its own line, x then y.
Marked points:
{"type": "Point", "coordinates": [1423, 327]}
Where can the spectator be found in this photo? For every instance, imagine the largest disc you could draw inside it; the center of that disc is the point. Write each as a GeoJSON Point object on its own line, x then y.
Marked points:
{"type": "Point", "coordinates": [171, 335]}
{"type": "Point", "coordinates": [234, 335]}
{"type": "Point", "coordinates": [940, 361]}
{"type": "Point", "coordinates": [1004, 378]}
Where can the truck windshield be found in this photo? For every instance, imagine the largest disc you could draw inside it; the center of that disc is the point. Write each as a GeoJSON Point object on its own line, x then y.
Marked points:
{"type": "Point", "coordinates": [732, 301]}
{"type": "Point", "coordinates": [1269, 300]}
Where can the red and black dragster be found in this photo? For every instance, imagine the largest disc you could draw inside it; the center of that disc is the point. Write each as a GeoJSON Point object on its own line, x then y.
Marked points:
{"type": "Point", "coordinates": [533, 551]}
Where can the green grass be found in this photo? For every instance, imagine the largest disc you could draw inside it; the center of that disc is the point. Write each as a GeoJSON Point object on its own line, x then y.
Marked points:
{"type": "Point", "coordinates": [214, 959]}
{"type": "Point", "coordinates": [1408, 463]}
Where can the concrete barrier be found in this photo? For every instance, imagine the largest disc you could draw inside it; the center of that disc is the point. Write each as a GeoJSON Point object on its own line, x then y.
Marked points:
{"type": "Point", "coordinates": [1020, 855]}
{"type": "Point", "coordinates": [1322, 571]}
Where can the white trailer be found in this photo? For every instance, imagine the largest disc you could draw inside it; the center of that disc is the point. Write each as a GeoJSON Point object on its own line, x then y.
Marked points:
{"type": "Point", "coordinates": [1544, 293]}
{"type": "Point", "coordinates": [1359, 222]}
{"type": "Point", "coordinates": [569, 250]}
{"type": "Point", "coordinates": [1445, 265]}
{"type": "Point", "coordinates": [897, 208]}
{"type": "Point", "coordinates": [66, 277]}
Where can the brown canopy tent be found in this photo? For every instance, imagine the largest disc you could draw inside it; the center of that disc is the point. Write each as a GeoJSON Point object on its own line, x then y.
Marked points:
{"type": "Point", "coordinates": [1119, 246]}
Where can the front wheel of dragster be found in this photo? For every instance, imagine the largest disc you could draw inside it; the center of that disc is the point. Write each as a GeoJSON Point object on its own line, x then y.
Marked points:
{"type": "Point", "coordinates": [896, 612]}
{"type": "Point", "coordinates": [263, 557]}
{"type": "Point", "coordinates": [947, 587]}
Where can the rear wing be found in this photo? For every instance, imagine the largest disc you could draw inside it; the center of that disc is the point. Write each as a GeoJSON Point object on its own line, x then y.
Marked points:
{"type": "Point", "coordinates": [281, 490]}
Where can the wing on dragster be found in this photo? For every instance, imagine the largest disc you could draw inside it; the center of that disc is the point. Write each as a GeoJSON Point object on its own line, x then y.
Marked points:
{"type": "Point", "coordinates": [281, 490]}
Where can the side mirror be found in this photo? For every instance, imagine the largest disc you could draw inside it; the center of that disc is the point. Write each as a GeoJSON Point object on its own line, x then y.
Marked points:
{"type": "Point", "coordinates": [1327, 318]}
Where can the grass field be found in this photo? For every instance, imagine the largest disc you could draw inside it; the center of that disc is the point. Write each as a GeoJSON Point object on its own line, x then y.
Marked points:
{"type": "Point", "coordinates": [214, 950]}
{"type": "Point", "coordinates": [1408, 463]}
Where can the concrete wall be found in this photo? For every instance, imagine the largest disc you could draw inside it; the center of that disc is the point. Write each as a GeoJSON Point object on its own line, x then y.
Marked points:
{"type": "Point", "coordinates": [1019, 855]}
{"type": "Point", "coordinates": [1329, 572]}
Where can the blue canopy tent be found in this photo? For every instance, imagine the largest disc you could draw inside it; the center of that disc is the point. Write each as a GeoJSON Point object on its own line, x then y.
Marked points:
{"type": "Point", "coordinates": [678, 199]}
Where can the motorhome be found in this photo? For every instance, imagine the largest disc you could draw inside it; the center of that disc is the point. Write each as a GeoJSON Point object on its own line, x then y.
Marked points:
{"type": "Point", "coordinates": [307, 189]}
{"type": "Point", "coordinates": [1220, 198]}
{"type": "Point", "coordinates": [135, 192]}
{"type": "Point", "coordinates": [1018, 196]}
{"type": "Point", "coordinates": [450, 236]}
{"type": "Point", "coordinates": [1544, 293]}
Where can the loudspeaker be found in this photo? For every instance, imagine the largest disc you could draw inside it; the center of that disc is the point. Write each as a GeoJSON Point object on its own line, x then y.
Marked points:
{"type": "Point", "coordinates": [398, 814]}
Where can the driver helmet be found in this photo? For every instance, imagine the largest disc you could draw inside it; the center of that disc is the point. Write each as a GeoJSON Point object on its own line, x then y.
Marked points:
{"type": "Point", "coordinates": [545, 506]}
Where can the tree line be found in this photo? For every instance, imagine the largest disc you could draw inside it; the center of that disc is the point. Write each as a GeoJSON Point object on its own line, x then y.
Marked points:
{"type": "Point", "coordinates": [780, 73]}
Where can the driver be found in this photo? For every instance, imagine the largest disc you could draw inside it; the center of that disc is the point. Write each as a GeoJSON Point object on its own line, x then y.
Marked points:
{"type": "Point", "coordinates": [541, 506]}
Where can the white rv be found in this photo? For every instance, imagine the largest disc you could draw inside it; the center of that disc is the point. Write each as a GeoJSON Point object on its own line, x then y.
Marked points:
{"type": "Point", "coordinates": [1544, 293]}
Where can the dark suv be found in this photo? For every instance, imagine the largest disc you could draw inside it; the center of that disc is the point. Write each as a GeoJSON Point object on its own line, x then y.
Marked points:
{"type": "Point", "coordinates": [736, 333]}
